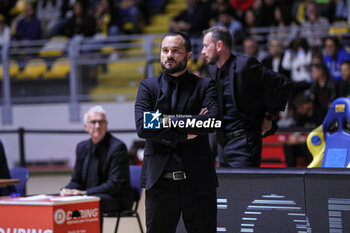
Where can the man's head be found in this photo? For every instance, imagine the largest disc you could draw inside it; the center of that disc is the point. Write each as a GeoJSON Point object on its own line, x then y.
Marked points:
{"type": "Point", "coordinates": [275, 47]}
{"type": "Point", "coordinates": [331, 45]}
{"type": "Point", "coordinates": [29, 10]}
{"type": "Point", "coordinates": [217, 40]}
{"type": "Point", "coordinates": [175, 52]}
{"type": "Point", "coordinates": [95, 123]}
{"type": "Point", "coordinates": [251, 48]}
{"type": "Point", "coordinates": [78, 8]}
{"type": "Point", "coordinates": [317, 57]}
{"type": "Point", "coordinates": [345, 70]}
{"type": "Point", "coordinates": [319, 72]}
{"type": "Point", "coordinates": [304, 105]}
{"type": "Point", "coordinates": [311, 11]}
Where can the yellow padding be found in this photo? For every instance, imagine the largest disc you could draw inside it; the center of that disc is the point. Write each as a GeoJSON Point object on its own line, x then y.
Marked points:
{"type": "Point", "coordinates": [14, 69]}
{"type": "Point", "coordinates": [60, 69]}
{"type": "Point", "coordinates": [130, 69]}
{"type": "Point", "coordinates": [317, 151]}
{"type": "Point", "coordinates": [33, 70]}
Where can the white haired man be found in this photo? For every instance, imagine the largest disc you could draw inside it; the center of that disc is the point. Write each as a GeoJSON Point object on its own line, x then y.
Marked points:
{"type": "Point", "coordinates": [101, 168]}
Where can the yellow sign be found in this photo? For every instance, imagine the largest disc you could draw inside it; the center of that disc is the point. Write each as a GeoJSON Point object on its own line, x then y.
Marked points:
{"type": "Point", "coordinates": [340, 108]}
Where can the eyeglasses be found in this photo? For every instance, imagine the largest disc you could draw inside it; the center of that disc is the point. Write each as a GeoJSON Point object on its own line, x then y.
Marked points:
{"type": "Point", "coordinates": [101, 122]}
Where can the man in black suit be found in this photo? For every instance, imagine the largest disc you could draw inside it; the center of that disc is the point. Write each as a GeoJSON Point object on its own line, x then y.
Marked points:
{"type": "Point", "coordinates": [249, 96]}
{"type": "Point", "coordinates": [4, 173]}
{"type": "Point", "coordinates": [178, 167]}
{"type": "Point", "coordinates": [101, 168]}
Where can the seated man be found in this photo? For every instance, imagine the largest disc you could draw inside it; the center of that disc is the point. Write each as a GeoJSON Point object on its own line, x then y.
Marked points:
{"type": "Point", "coordinates": [4, 173]}
{"type": "Point", "coordinates": [101, 167]}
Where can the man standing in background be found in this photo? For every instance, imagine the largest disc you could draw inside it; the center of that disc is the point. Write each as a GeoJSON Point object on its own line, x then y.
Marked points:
{"type": "Point", "coordinates": [249, 96]}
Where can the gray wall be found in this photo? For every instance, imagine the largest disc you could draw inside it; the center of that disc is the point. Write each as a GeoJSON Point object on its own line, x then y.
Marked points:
{"type": "Point", "coordinates": [56, 117]}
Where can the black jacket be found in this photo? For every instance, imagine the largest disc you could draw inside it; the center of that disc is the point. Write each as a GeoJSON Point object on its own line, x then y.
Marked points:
{"type": "Point", "coordinates": [115, 179]}
{"type": "Point", "coordinates": [198, 161]}
{"type": "Point", "coordinates": [256, 89]}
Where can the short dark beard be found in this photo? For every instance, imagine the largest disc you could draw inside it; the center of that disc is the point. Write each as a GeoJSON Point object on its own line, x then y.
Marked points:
{"type": "Point", "coordinates": [179, 67]}
{"type": "Point", "coordinates": [214, 60]}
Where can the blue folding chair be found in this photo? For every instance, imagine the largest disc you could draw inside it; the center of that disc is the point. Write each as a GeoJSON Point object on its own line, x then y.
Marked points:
{"type": "Point", "coordinates": [22, 174]}
{"type": "Point", "coordinates": [135, 174]}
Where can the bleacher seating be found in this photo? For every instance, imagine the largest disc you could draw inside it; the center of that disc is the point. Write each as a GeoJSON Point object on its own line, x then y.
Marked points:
{"type": "Point", "coordinates": [60, 69]}
{"type": "Point", "coordinates": [34, 69]}
{"type": "Point", "coordinates": [13, 71]}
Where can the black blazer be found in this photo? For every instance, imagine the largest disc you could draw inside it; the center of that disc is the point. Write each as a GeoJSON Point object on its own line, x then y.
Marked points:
{"type": "Point", "coordinates": [195, 94]}
{"type": "Point", "coordinates": [256, 89]}
{"type": "Point", "coordinates": [115, 179]}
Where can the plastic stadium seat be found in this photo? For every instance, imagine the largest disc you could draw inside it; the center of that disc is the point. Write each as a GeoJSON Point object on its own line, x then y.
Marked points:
{"type": "Point", "coordinates": [339, 28]}
{"type": "Point", "coordinates": [33, 69]}
{"type": "Point", "coordinates": [22, 174]}
{"type": "Point", "coordinates": [329, 144]}
{"type": "Point", "coordinates": [14, 69]}
{"type": "Point", "coordinates": [135, 174]}
{"type": "Point", "coordinates": [19, 8]}
{"type": "Point", "coordinates": [55, 47]}
{"type": "Point", "coordinates": [59, 69]}
{"type": "Point", "coordinates": [128, 69]}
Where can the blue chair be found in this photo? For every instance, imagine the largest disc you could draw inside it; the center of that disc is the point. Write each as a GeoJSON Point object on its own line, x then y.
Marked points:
{"type": "Point", "coordinates": [329, 144]}
{"type": "Point", "coordinates": [135, 174]}
{"type": "Point", "coordinates": [22, 174]}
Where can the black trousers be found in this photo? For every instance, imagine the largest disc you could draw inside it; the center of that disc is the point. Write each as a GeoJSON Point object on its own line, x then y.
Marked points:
{"type": "Point", "coordinates": [168, 199]}
{"type": "Point", "coordinates": [241, 151]}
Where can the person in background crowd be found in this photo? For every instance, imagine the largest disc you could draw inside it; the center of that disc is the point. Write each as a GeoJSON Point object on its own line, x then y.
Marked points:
{"type": "Point", "coordinates": [275, 58]}
{"type": "Point", "coordinates": [306, 117]}
{"type": "Point", "coordinates": [251, 48]}
{"type": "Point", "coordinates": [344, 84]}
{"type": "Point", "coordinates": [80, 23]}
{"type": "Point", "coordinates": [240, 6]}
{"type": "Point", "coordinates": [4, 173]}
{"type": "Point", "coordinates": [28, 28]}
{"type": "Point", "coordinates": [323, 88]}
{"type": "Point", "coordinates": [257, 9]}
{"type": "Point", "coordinates": [250, 22]}
{"type": "Point", "coordinates": [129, 15]}
{"type": "Point", "coordinates": [106, 19]}
{"type": "Point", "coordinates": [218, 6]}
{"type": "Point", "coordinates": [233, 25]}
{"type": "Point", "coordinates": [337, 10]}
{"type": "Point", "coordinates": [334, 56]}
{"type": "Point", "coordinates": [49, 13]}
{"type": "Point", "coordinates": [316, 57]}
{"type": "Point", "coordinates": [249, 96]}
{"type": "Point", "coordinates": [178, 167]}
{"type": "Point", "coordinates": [268, 12]}
{"type": "Point", "coordinates": [314, 26]}
{"type": "Point", "coordinates": [101, 167]}
{"type": "Point", "coordinates": [284, 28]}
{"type": "Point", "coordinates": [193, 20]}
{"type": "Point", "coordinates": [297, 60]}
